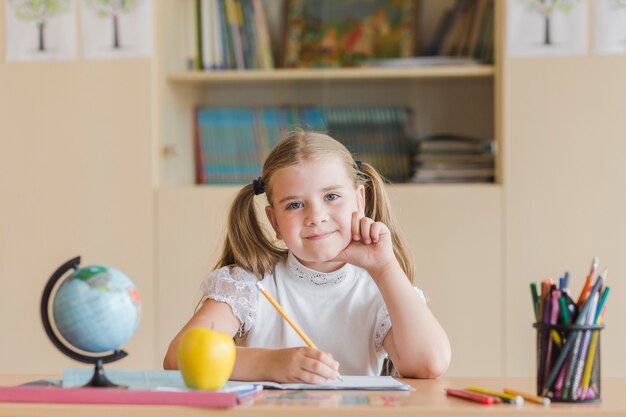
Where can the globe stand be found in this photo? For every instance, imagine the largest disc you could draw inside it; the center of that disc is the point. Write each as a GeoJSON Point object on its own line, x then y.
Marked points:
{"type": "Point", "coordinates": [98, 379]}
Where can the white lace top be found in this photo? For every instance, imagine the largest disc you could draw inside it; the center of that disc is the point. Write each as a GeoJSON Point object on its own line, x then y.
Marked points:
{"type": "Point", "coordinates": [342, 312]}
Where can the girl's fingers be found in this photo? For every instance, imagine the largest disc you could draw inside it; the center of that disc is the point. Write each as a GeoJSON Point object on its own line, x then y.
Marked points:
{"type": "Point", "coordinates": [375, 231]}
{"type": "Point", "coordinates": [365, 225]}
{"type": "Point", "coordinates": [323, 357]}
{"type": "Point", "coordinates": [317, 371]}
{"type": "Point", "coordinates": [356, 220]}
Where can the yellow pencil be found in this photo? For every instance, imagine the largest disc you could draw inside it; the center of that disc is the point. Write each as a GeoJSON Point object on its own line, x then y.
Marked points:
{"type": "Point", "coordinates": [530, 397]}
{"type": "Point", "coordinates": [507, 398]}
{"type": "Point", "coordinates": [590, 358]}
{"type": "Point", "coordinates": [287, 318]}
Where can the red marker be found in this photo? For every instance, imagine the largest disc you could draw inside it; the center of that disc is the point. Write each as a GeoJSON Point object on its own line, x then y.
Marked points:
{"type": "Point", "coordinates": [472, 396]}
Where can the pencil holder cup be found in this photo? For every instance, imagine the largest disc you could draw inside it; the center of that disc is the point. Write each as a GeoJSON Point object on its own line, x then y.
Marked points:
{"type": "Point", "coordinates": [568, 362]}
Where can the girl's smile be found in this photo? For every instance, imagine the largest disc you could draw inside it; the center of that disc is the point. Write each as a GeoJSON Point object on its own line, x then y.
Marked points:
{"type": "Point", "coordinates": [319, 236]}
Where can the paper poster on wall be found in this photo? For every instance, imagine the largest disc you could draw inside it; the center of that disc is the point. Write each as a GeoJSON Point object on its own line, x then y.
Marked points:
{"type": "Point", "coordinates": [609, 26]}
{"type": "Point", "coordinates": [43, 30]}
{"type": "Point", "coordinates": [116, 28]}
{"type": "Point", "coordinates": [546, 28]}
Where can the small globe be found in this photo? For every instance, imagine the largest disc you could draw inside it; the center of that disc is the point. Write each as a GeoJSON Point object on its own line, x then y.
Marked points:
{"type": "Point", "coordinates": [97, 309]}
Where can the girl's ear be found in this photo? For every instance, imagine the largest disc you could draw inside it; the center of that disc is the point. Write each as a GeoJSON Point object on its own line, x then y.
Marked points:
{"type": "Point", "coordinates": [360, 200]}
{"type": "Point", "coordinates": [271, 216]}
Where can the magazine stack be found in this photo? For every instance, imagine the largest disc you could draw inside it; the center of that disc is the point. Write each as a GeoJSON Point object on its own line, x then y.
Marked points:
{"type": "Point", "coordinates": [454, 158]}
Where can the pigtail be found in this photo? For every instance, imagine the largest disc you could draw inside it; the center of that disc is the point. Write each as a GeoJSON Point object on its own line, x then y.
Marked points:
{"type": "Point", "coordinates": [378, 208]}
{"type": "Point", "coordinates": [247, 244]}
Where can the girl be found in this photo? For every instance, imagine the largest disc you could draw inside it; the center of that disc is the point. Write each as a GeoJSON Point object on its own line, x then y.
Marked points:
{"type": "Point", "coordinates": [345, 275]}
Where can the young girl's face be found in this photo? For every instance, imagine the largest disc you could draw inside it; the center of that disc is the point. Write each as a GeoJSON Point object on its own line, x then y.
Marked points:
{"type": "Point", "coordinates": [312, 209]}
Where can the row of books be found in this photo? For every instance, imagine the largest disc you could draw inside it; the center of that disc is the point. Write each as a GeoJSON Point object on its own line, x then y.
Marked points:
{"type": "Point", "coordinates": [232, 142]}
{"type": "Point", "coordinates": [454, 158]}
{"type": "Point", "coordinates": [465, 30]}
{"type": "Point", "coordinates": [230, 34]}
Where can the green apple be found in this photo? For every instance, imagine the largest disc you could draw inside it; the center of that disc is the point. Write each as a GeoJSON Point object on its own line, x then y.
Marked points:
{"type": "Point", "coordinates": [206, 358]}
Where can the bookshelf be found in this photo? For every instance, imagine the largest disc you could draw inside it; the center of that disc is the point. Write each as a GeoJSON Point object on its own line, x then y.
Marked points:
{"type": "Point", "coordinates": [450, 227]}
{"type": "Point", "coordinates": [456, 99]}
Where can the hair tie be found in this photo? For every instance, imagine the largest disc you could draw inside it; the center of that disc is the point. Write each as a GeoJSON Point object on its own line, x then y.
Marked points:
{"type": "Point", "coordinates": [357, 165]}
{"type": "Point", "coordinates": [259, 186]}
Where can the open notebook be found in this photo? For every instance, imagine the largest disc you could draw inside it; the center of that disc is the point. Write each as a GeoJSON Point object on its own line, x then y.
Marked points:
{"type": "Point", "coordinates": [172, 380]}
{"type": "Point", "coordinates": [366, 383]}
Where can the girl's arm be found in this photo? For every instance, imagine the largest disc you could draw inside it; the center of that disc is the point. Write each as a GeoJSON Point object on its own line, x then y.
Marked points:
{"type": "Point", "coordinates": [301, 364]}
{"type": "Point", "coordinates": [211, 315]}
{"type": "Point", "coordinates": [416, 343]}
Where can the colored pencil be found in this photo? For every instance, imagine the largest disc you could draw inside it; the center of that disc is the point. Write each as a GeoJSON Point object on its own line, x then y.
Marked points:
{"type": "Point", "coordinates": [583, 294]}
{"type": "Point", "coordinates": [570, 342]}
{"type": "Point", "coordinates": [529, 397]}
{"type": "Point", "coordinates": [472, 396]}
{"type": "Point", "coordinates": [507, 398]}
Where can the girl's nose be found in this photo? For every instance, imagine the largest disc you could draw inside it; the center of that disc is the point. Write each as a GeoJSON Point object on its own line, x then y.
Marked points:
{"type": "Point", "coordinates": [315, 215]}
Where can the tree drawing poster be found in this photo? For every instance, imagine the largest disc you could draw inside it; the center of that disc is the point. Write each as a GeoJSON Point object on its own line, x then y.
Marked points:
{"type": "Point", "coordinates": [546, 27]}
{"type": "Point", "coordinates": [40, 30]}
{"type": "Point", "coordinates": [116, 28]}
{"type": "Point", "coordinates": [609, 26]}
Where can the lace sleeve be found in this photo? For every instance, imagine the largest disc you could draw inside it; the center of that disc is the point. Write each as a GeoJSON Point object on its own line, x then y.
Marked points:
{"type": "Point", "coordinates": [383, 322]}
{"type": "Point", "coordinates": [237, 288]}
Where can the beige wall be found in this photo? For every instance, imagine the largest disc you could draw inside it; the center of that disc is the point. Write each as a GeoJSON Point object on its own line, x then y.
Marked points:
{"type": "Point", "coordinates": [75, 179]}
{"type": "Point", "coordinates": [565, 198]}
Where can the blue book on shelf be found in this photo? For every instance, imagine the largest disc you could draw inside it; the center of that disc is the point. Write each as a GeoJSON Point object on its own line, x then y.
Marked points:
{"type": "Point", "coordinates": [233, 142]}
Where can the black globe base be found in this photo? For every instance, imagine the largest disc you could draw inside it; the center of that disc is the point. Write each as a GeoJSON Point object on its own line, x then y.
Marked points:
{"type": "Point", "coordinates": [100, 380]}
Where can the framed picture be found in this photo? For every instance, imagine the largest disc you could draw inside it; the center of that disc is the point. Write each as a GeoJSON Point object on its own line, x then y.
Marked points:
{"type": "Point", "coordinates": [346, 33]}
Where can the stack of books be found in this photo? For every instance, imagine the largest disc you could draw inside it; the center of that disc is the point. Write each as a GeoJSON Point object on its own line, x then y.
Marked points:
{"type": "Point", "coordinates": [232, 142]}
{"type": "Point", "coordinates": [465, 30]}
{"type": "Point", "coordinates": [229, 34]}
{"type": "Point", "coordinates": [378, 135]}
{"type": "Point", "coordinates": [453, 158]}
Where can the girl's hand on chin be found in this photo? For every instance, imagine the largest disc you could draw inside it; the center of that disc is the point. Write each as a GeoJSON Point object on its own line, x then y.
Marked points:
{"type": "Point", "coordinates": [371, 246]}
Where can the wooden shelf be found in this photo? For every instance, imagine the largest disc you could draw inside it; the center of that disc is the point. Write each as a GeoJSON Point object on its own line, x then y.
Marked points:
{"type": "Point", "coordinates": [332, 74]}
{"type": "Point", "coordinates": [399, 188]}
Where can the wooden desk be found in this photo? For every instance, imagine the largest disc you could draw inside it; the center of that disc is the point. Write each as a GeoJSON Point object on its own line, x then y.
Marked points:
{"type": "Point", "coordinates": [428, 399]}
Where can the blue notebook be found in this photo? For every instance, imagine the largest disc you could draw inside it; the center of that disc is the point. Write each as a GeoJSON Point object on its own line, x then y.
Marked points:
{"type": "Point", "coordinates": [147, 380]}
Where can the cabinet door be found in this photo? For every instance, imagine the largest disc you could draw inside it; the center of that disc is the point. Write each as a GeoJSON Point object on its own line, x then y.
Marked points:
{"type": "Point", "coordinates": [191, 223]}
{"type": "Point", "coordinates": [455, 235]}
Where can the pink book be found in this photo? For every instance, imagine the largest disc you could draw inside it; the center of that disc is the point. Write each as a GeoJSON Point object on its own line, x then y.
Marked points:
{"type": "Point", "coordinates": [29, 394]}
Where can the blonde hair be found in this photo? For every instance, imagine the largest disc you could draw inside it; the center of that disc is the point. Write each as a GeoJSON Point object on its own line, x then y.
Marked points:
{"type": "Point", "coordinates": [248, 244]}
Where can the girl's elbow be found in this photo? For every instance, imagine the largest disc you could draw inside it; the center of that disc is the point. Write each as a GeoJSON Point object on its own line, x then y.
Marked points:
{"type": "Point", "coordinates": [436, 367]}
{"type": "Point", "coordinates": [424, 371]}
{"type": "Point", "coordinates": [428, 367]}
{"type": "Point", "coordinates": [439, 360]}
{"type": "Point", "coordinates": [170, 361]}
{"type": "Point", "coordinates": [439, 363]}
{"type": "Point", "coordinates": [168, 365]}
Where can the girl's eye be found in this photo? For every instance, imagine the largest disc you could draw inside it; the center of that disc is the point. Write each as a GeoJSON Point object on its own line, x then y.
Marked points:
{"type": "Point", "coordinates": [293, 206]}
{"type": "Point", "coordinates": [332, 196]}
